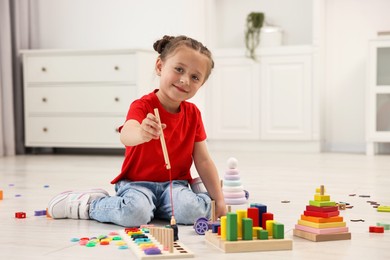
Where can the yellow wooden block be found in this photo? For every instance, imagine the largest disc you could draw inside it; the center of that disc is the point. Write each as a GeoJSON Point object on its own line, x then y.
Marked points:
{"type": "Point", "coordinates": [223, 227]}
{"type": "Point", "coordinates": [318, 197]}
{"type": "Point", "coordinates": [322, 220]}
{"type": "Point", "coordinates": [321, 225]}
{"type": "Point", "coordinates": [255, 230]}
{"type": "Point", "coordinates": [383, 208]}
{"type": "Point", "coordinates": [318, 190]}
{"type": "Point", "coordinates": [241, 213]}
{"type": "Point", "coordinates": [269, 225]}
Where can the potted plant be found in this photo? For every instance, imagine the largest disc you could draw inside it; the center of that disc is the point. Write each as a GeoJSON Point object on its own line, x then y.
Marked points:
{"type": "Point", "coordinates": [254, 22]}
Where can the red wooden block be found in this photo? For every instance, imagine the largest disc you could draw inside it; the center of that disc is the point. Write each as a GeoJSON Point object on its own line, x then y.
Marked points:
{"type": "Point", "coordinates": [377, 229]}
{"type": "Point", "coordinates": [253, 213]}
{"type": "Point", "coordinates": [20, 215]}
{"type": "Point", "coordinates": [321, 209]}
{"type": "Point", "coordinates": [321, 214]}
{"type": "Point", "coordinates": [131, 229]}
{"type": "Point", "coordinates": [266, 216]}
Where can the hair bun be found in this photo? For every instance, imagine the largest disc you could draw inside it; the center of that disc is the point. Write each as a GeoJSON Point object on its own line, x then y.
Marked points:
{"type": "Point", "coordinates": [160, 45]}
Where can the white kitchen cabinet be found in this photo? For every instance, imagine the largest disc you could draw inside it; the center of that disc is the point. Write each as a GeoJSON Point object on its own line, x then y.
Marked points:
{"type": "Point", "coordinates": [233, 98]}
{"type": "Point", "coordinates": [265, 103]}
{"type": "Point", "coordinates": [79, 98]}
{"type": "Point", "coordinates": [378, 94]}
{"type": "Point", "coordinates": [286, 97]}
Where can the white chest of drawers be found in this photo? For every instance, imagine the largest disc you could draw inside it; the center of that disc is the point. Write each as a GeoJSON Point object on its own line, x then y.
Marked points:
{"type": "Point", "coordinates": [79, 98]}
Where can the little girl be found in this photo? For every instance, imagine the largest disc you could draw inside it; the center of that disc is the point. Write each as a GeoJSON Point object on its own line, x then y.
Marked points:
{"type": "Point", "coordinates": [143, 188]}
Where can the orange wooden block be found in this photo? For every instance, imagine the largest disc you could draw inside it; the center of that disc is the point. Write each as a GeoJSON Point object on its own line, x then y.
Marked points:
{"type": "Point", "coordinates": [1, 194]}
{"type": "Point", "coordinates": [322, 220]}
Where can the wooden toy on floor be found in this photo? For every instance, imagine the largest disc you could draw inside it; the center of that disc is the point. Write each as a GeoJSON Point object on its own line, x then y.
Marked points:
{"type": "Point", "coordinates": [321, 221]}
{"type": "Point", "coordinates": [249, 231]}
{"type": "Point", "coordinates": [383, 208]}
{"type": "Point", "coordinates": [376, 229]}
{"type": "Point", "coordinates": [232, 188]}
{"type": "Point", "coordinates": [20, 214]}
{"type": "Point", "coordinates": [157, 244]}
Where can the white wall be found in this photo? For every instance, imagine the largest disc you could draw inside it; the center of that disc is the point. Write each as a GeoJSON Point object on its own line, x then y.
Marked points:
{"type": "Point", "coordinates": [294, 17]}
{"type": "Point", "coordinates": [95, 24]}
{"type": "Point", "coordinates": [349, 26]}
{"type": "Point", "coordinates": [133, 23]}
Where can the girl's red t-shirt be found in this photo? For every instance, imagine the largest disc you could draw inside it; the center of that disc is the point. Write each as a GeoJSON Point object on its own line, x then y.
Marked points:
{"type": "Point", "coordinates": [145, 162]}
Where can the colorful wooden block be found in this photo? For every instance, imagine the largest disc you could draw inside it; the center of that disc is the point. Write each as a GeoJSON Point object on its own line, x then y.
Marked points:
{"type": "Point", "coordinates": [278, 230]}
{"type": "Point", "coordinates": [231, 226]}
{"type": "Point", "coordinates": [386, 226]}
{"type": "Point", "coordinates": [376, 229]}
{"type": "Point", "coordinates": [263, 234]}
{"type": "Point", "coordinates": [320, 190]}
{"type": "Point", "coordinates": [383, 208]}
{"type": "Point", "coordinates": [322, 220]}
{"type": "Point", "coordinates": [20, 215]}
{"type": "Point", "coordinates": [321, 209]}
{"type": "Point", "coordinates": [215, 226]}
{"type": "Point", "coordinates": [249, 245]}
{"type": "Point", "coordinates": [247, 225]}
{"type": "Point", "coordinates": [321, 214]}
{"type": "Point", "coordinates": [241, 214]}
{"type": "Point", "coordinates": [321, 237]}
{"type": "Point", "coordinates": [323, 230]}
{"type": "Point", "coordinates": [265, 217]}
{"type": "Point", "coordinates": [319, 197]}
{"type": "Point", "coordinates": [262, 209]}
{"type": "Point", "coordinates": [256, 230]}
{"type": "Point", "coordinates": [322, 203]}
{"type": "Point", "coordinates": [321, 225]}
{"type": "Point", "coordinates": [253, 213]}
{"type": "Point", "coordinates": [269, 226]}
{"type": "Point", "coordinates": [223, 227]}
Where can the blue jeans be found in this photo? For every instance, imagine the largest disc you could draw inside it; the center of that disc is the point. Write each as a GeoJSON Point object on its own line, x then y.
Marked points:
{"type": "Point", "coordinates": [137, 203]}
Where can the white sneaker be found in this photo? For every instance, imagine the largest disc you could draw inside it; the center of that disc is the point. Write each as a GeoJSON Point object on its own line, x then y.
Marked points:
{"type": "Point", "coordinates": [74, 204]}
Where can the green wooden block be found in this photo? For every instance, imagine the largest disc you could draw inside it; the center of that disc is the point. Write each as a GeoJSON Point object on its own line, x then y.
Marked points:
{"type": "Point", "coordinates": [231, 226]}
{"type": "Point", "coordinates": [247, 225]}
{"type": "Point", "coordinates": [322, 203]}
{"type": "Point", "coordinates": [278, 231]}
{"type": "Point", "coordinates": [386, 226]}
{"type": "Point", "coordinates": [262, 234]}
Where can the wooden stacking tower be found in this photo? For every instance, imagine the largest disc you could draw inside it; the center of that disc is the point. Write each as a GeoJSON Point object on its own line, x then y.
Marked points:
{"type": "Point", "coordinates": [321, 221]}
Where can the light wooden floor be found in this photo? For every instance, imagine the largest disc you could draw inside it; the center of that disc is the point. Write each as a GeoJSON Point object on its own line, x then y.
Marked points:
{"type": "Point", "coordinates": [269, 178]}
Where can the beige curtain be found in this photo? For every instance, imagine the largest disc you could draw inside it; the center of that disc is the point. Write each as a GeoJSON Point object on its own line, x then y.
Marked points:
{"type": "Point", "coordinates": [7, 123]}
{"type": "Point", "coordinates": [15, 27]}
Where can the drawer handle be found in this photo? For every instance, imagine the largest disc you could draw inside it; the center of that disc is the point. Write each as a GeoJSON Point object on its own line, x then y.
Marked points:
{"type": "Point", "coordinates": [116, 99]}
{"type": "Point", "coordinates": [44, 100]}
{"type": "Point", "coordinates": [45, 129]}
{"type": "Point", "coordinates": [43, 69]}
{"type": "Point", "coordinates": [116, 67]}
